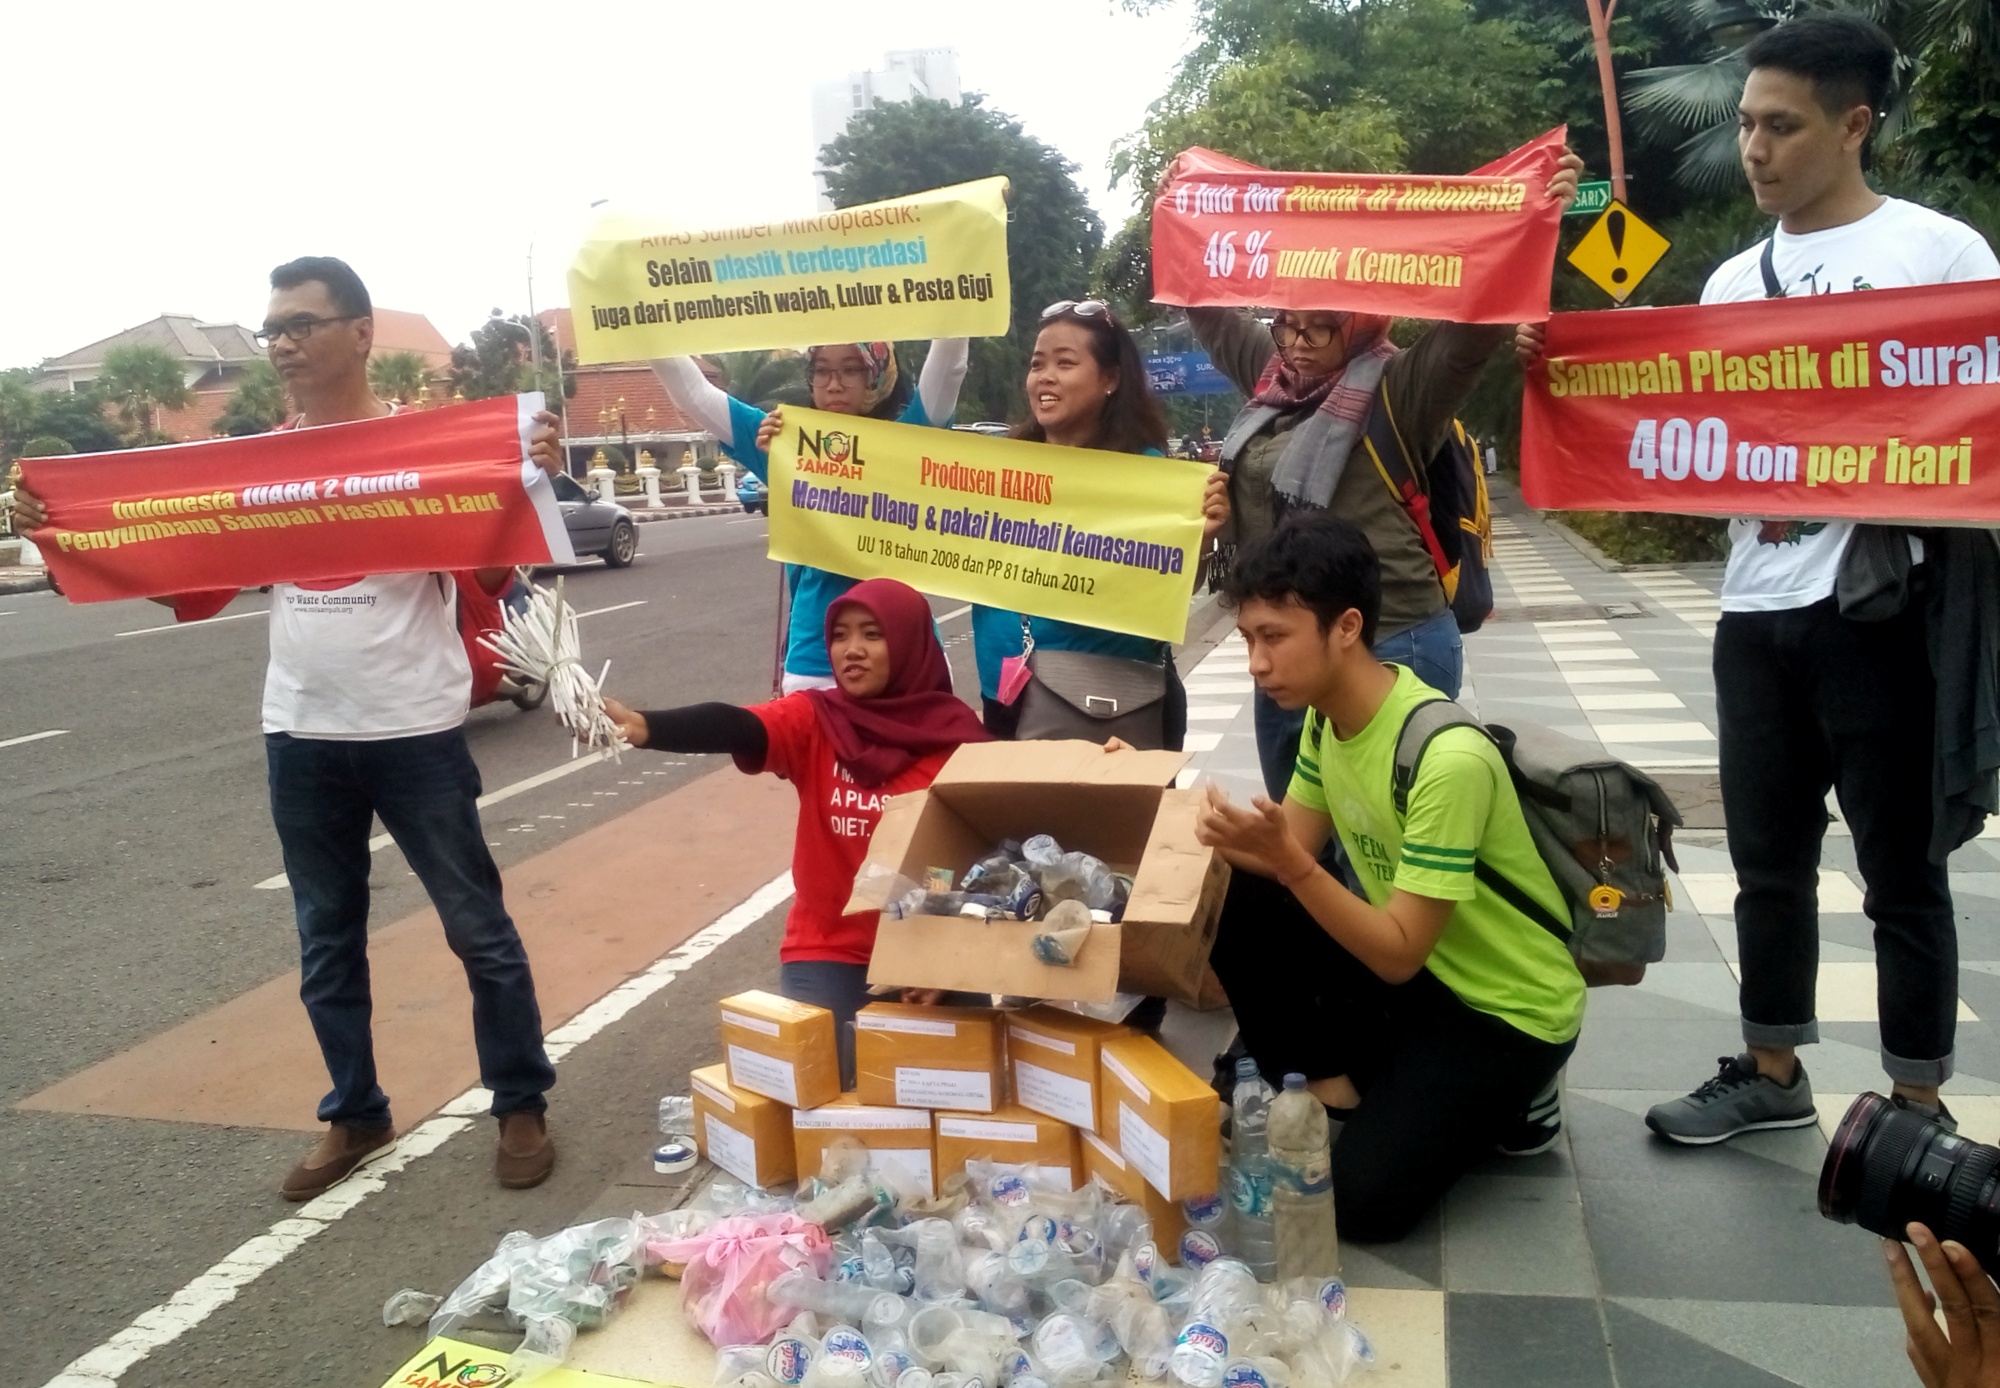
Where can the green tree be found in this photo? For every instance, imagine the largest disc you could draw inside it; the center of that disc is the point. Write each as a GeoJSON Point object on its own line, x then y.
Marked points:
{"type": "Point", "coordinates": [73, 417]}
{"type": "Point", "coordinates": [139, 381]}
{"type": "Point", "coordinates": [500, 360]}
{"type": "Point", "coordinates": [766, 379]}
{"type": "Point", "coordinates": [398, 376]}
{"type": "Point", "coordinates": [1427, 86]}
{"type": "Point", "coordinates": [20, 406]}
{"type": "Point", "coordinates": [1053, 235]}
{"type": "Point", "coordinates": [256, 406]}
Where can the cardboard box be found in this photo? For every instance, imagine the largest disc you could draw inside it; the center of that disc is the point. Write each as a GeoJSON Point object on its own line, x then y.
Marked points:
{"type": "Point", "coordinates": [899, 1135]}
{"type": "Point", "coordinates": [1052, 1056]}
{"type": "Point", "coordinates": [745, 1134]}
{"type": "Point", "coordinates": [781, 1049]}
{"type": "Point", "coordinates": [1118, 806]}
{"type": "Point", "coordinates": [1009, 1134]}
{"type": "Point", "coordinates": [1101, 1159]}
{"type": "Point", "coordinates": [907, 1056]}
{"type": "Point", "coordinates": [1161, 1117]}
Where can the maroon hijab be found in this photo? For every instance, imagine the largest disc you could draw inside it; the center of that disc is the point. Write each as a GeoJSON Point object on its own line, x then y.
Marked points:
{"type": "Point", "coordinates": [877, 739]}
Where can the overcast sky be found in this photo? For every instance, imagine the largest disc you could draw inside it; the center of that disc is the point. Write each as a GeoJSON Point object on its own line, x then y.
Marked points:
{"type": "Point", "coordinates": [161, 158]}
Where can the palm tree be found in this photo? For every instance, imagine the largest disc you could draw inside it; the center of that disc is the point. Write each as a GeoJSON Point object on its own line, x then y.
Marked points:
{"type": "Point", "coordinates": [399, 376]}
{"type": "Point", "coordinates": [766, 379]}
{"type": "Point", "coordinates": [139, 382]}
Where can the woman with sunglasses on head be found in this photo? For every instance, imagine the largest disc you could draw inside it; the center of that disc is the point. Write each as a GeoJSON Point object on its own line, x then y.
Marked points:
{"type": "Point", "coordinates": [885, 727]}
{"type": "Point", "coordinates": [1086, 388]}
{"type": "Point", "coordinates": [855, 378]}
{"type": "Point", "coordinates": [1313, 379]}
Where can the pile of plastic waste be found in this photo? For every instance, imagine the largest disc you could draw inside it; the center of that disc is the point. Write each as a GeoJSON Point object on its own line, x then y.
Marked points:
{"type": "Point", "coordinates": [1031, 881]}
{"type": "Point", "coordinates": [1004, 1281]}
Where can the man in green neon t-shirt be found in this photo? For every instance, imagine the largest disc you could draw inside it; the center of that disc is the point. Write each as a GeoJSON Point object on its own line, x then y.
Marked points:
{"type": "Point", "coordinates": [1430, 1016]}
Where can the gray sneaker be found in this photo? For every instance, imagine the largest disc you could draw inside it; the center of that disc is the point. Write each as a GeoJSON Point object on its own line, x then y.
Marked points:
{"type": "Point", "coordinates": [1737, 1100]}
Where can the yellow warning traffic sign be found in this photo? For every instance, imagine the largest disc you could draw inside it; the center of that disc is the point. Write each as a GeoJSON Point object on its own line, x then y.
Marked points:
{"type": "Point", "coordinates": [1618, 251]}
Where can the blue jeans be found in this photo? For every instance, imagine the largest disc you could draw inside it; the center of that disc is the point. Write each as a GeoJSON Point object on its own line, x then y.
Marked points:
{"type": "Point", "coordinates": [426, 789]}
{"type": "Point", "coordinates": [1432, 649]}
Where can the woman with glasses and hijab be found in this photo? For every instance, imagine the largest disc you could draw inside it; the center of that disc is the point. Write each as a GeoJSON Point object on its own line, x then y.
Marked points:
{"type": "Point", "coordinates": [856, 378]}
{"type": "Point", "coordinates": [1086, 388]}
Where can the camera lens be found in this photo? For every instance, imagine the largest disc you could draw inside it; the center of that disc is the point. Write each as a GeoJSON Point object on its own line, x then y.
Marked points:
{"type": "Point", "coordinates": [1889, 1167]}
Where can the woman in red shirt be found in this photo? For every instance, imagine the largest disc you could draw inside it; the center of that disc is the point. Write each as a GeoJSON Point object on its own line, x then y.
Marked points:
{"type": "Point", "coordinates": [886, 727]}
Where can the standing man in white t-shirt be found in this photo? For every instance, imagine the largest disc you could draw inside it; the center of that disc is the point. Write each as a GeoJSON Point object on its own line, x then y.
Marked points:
{"type": "Point", "coordinates": [364, 701]}
{"type": "Point", "coordinates": [1808, 699]}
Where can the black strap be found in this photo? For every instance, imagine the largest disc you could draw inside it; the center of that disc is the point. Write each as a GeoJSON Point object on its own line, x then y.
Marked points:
{"type": "Point", "coordinates": [1520, 900]}
{"type": "Point", "coordinates": [1767, 263]}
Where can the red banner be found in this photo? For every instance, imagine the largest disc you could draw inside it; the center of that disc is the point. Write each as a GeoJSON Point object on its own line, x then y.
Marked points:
{"type": "Point", "coordinates": [430, 490]}
{"type": "Point", "coordinates": [1473, 249]}
{"type": "Point", "coordinates": [1879, 405]}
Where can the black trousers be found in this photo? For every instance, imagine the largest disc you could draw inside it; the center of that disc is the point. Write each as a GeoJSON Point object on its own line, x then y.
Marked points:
{"type": "Point", "coordinates": [1808, 701]}
{"type": "Point", "coordinates": [1440, 1083]}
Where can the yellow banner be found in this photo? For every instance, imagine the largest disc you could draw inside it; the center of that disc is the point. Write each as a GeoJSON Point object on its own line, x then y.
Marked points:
{"type": "Point", "coordinates": [447, 1363]}
{"type": "Point", "coordinates": [1107, 540]}
{"type": "Point", "coordinates": [930, 265]}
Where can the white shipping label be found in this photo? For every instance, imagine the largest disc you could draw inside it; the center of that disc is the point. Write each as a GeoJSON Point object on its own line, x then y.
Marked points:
{"type": "Point", "coordinates": [1132, 1081]}
{"type": "Point", "coordinates": [1146, 1148]}
{"type": "Point", "coordinates": [1035, 1038]}
{"type": "Point", "coordinates": [734, 1152]}
{"type": "Point", "coordinates": [987, 1130]}
{"type": "Point", "coordinates": [914, 1026]}
{"type": "Point", "coordinates": [713, 1095]}
{"type": "Point", "coordinates": [764, 1074]}
{"type": "Point", "coordinates": [1059, 1096]}
{"type": "Point", "coordinates": [914, 1160]}
{"type": "Point", "coordinates": [855, 1118]}
{"type": "Point", "coordinates": [917, 1087]}
{"type": "Point", "coordinates": [749, 1023]}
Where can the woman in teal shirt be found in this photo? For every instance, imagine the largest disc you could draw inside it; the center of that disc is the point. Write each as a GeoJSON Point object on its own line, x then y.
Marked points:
{"type": "Point", "coordinates": [857, 378]}
{"type": "Point", "coordinates": [1087, 388]}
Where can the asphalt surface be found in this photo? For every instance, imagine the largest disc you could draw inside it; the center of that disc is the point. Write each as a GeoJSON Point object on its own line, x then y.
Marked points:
{"type": "Point", "coordinates": [130, 847]}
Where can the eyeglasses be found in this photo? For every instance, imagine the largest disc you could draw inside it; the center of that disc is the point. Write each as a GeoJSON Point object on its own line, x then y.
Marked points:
{"type": "Point", "coordinates": [846, 375]}
{"type": "Point", "coordinates": [1311, 336]}
{"type": "Point", "coordinates": [298, 329]}
{"type": "Point", "coordinates": [1082, 308]}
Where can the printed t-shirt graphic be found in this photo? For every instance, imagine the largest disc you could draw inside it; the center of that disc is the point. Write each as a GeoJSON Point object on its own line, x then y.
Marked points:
{"type": "Point", "coordinates": [837, 818]}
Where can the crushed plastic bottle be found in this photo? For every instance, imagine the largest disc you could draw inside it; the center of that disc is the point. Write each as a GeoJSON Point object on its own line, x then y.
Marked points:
{"type": "Point", "coordinates": [1253, 1236]}
{"type": "Point", "coordinates": [410, 1307]}
{"type": "Point", "coordinates": [1301, 1163]}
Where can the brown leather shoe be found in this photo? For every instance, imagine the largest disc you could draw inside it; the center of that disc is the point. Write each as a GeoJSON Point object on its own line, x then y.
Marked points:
{"type": "Point", "coordinates": [525, 1154]}
{"type": "Point", "coordinates": [343, 1151]}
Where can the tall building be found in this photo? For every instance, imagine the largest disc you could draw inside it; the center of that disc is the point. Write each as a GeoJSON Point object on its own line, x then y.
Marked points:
{"type": "Point", "coordinates": [910, 73]}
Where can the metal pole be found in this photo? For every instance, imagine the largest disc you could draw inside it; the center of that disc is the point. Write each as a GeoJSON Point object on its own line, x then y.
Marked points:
{"type": "Point", "coordinates": [1600, 33]}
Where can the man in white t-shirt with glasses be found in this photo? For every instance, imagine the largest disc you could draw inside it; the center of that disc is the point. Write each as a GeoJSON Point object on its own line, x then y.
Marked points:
{"type": "Point", "coordinates": [364, 701]}
{"type": "Point", "coordinates": [1807, 699]}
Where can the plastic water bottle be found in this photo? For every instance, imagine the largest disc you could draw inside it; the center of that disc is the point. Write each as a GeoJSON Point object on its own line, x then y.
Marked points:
{"type": "Point", "coordinates": [1250, 1172]}
{"type": "Point", "coordinates": [1301, 1165]}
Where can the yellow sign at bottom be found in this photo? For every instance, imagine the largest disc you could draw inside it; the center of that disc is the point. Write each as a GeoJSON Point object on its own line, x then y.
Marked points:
{"type": "Point", "coordinates": [1618, 251]}
{"type": "Point", "coordinates": [454, 1364]}
{"type": "Point", "coordinates": [1107, 540]}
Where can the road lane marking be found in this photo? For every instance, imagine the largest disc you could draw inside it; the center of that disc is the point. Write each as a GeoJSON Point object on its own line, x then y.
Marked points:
{"type": "Point", "coordinates": [955, 612]}
{"type": "Point", "coordinates": [208, 1293]}
{"type": "Point", "coordinates": [33, 737]}
{"type": "Point", "coordinates": [190, 626]}
{"type": "Point", "coordinates": [555, 773]}
{"type": "Point", "coordinates": [616, 607]}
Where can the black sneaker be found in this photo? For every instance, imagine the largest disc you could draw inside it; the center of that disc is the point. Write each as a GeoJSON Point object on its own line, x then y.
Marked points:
{"type": "Point", "coordinates": [1737, 1100]}
{"type": "Point", "coordinates": [1539, 1127]}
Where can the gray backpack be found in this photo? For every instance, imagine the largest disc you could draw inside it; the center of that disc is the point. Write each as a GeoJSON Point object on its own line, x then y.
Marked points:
{"type": "Point", "coordinates": [1605, 830]}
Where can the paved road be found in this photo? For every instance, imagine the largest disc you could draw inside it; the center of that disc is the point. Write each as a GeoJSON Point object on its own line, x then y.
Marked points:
{"type": "Point", "coordinates": [130, 850]}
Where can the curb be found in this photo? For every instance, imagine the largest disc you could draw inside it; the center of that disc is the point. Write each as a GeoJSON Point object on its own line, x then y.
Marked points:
{"type": "Point", "coordinates": [1613, 566]}
{"type": "Point", "coordinates": [23, 581]}
{"type": "Point", "coordinates": [684, 512]}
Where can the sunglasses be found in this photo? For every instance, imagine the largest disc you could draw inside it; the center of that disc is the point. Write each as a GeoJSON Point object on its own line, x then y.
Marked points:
{"type": "Point", "coordinates": [1082, 308]}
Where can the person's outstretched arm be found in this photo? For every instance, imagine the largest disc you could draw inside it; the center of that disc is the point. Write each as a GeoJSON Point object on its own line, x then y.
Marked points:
{"type": "Point", "coordinates": [943, 375]}
{"type": "Point", "coordinates": [696, 728]}
{"type": "Point", "coordinates": [697, 397]}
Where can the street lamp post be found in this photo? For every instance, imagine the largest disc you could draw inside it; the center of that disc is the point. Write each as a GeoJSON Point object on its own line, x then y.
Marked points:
{"type": "Point", "coordinates": [1600, 33]}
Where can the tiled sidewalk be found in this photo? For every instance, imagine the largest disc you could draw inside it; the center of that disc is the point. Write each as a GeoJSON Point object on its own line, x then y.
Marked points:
{"type": "Point", "coordinates": [1618, 1259]}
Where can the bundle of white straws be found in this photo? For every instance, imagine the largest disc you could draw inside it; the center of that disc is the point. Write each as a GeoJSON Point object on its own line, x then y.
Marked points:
{"type": "Point", "coordinates": [539, 644]}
